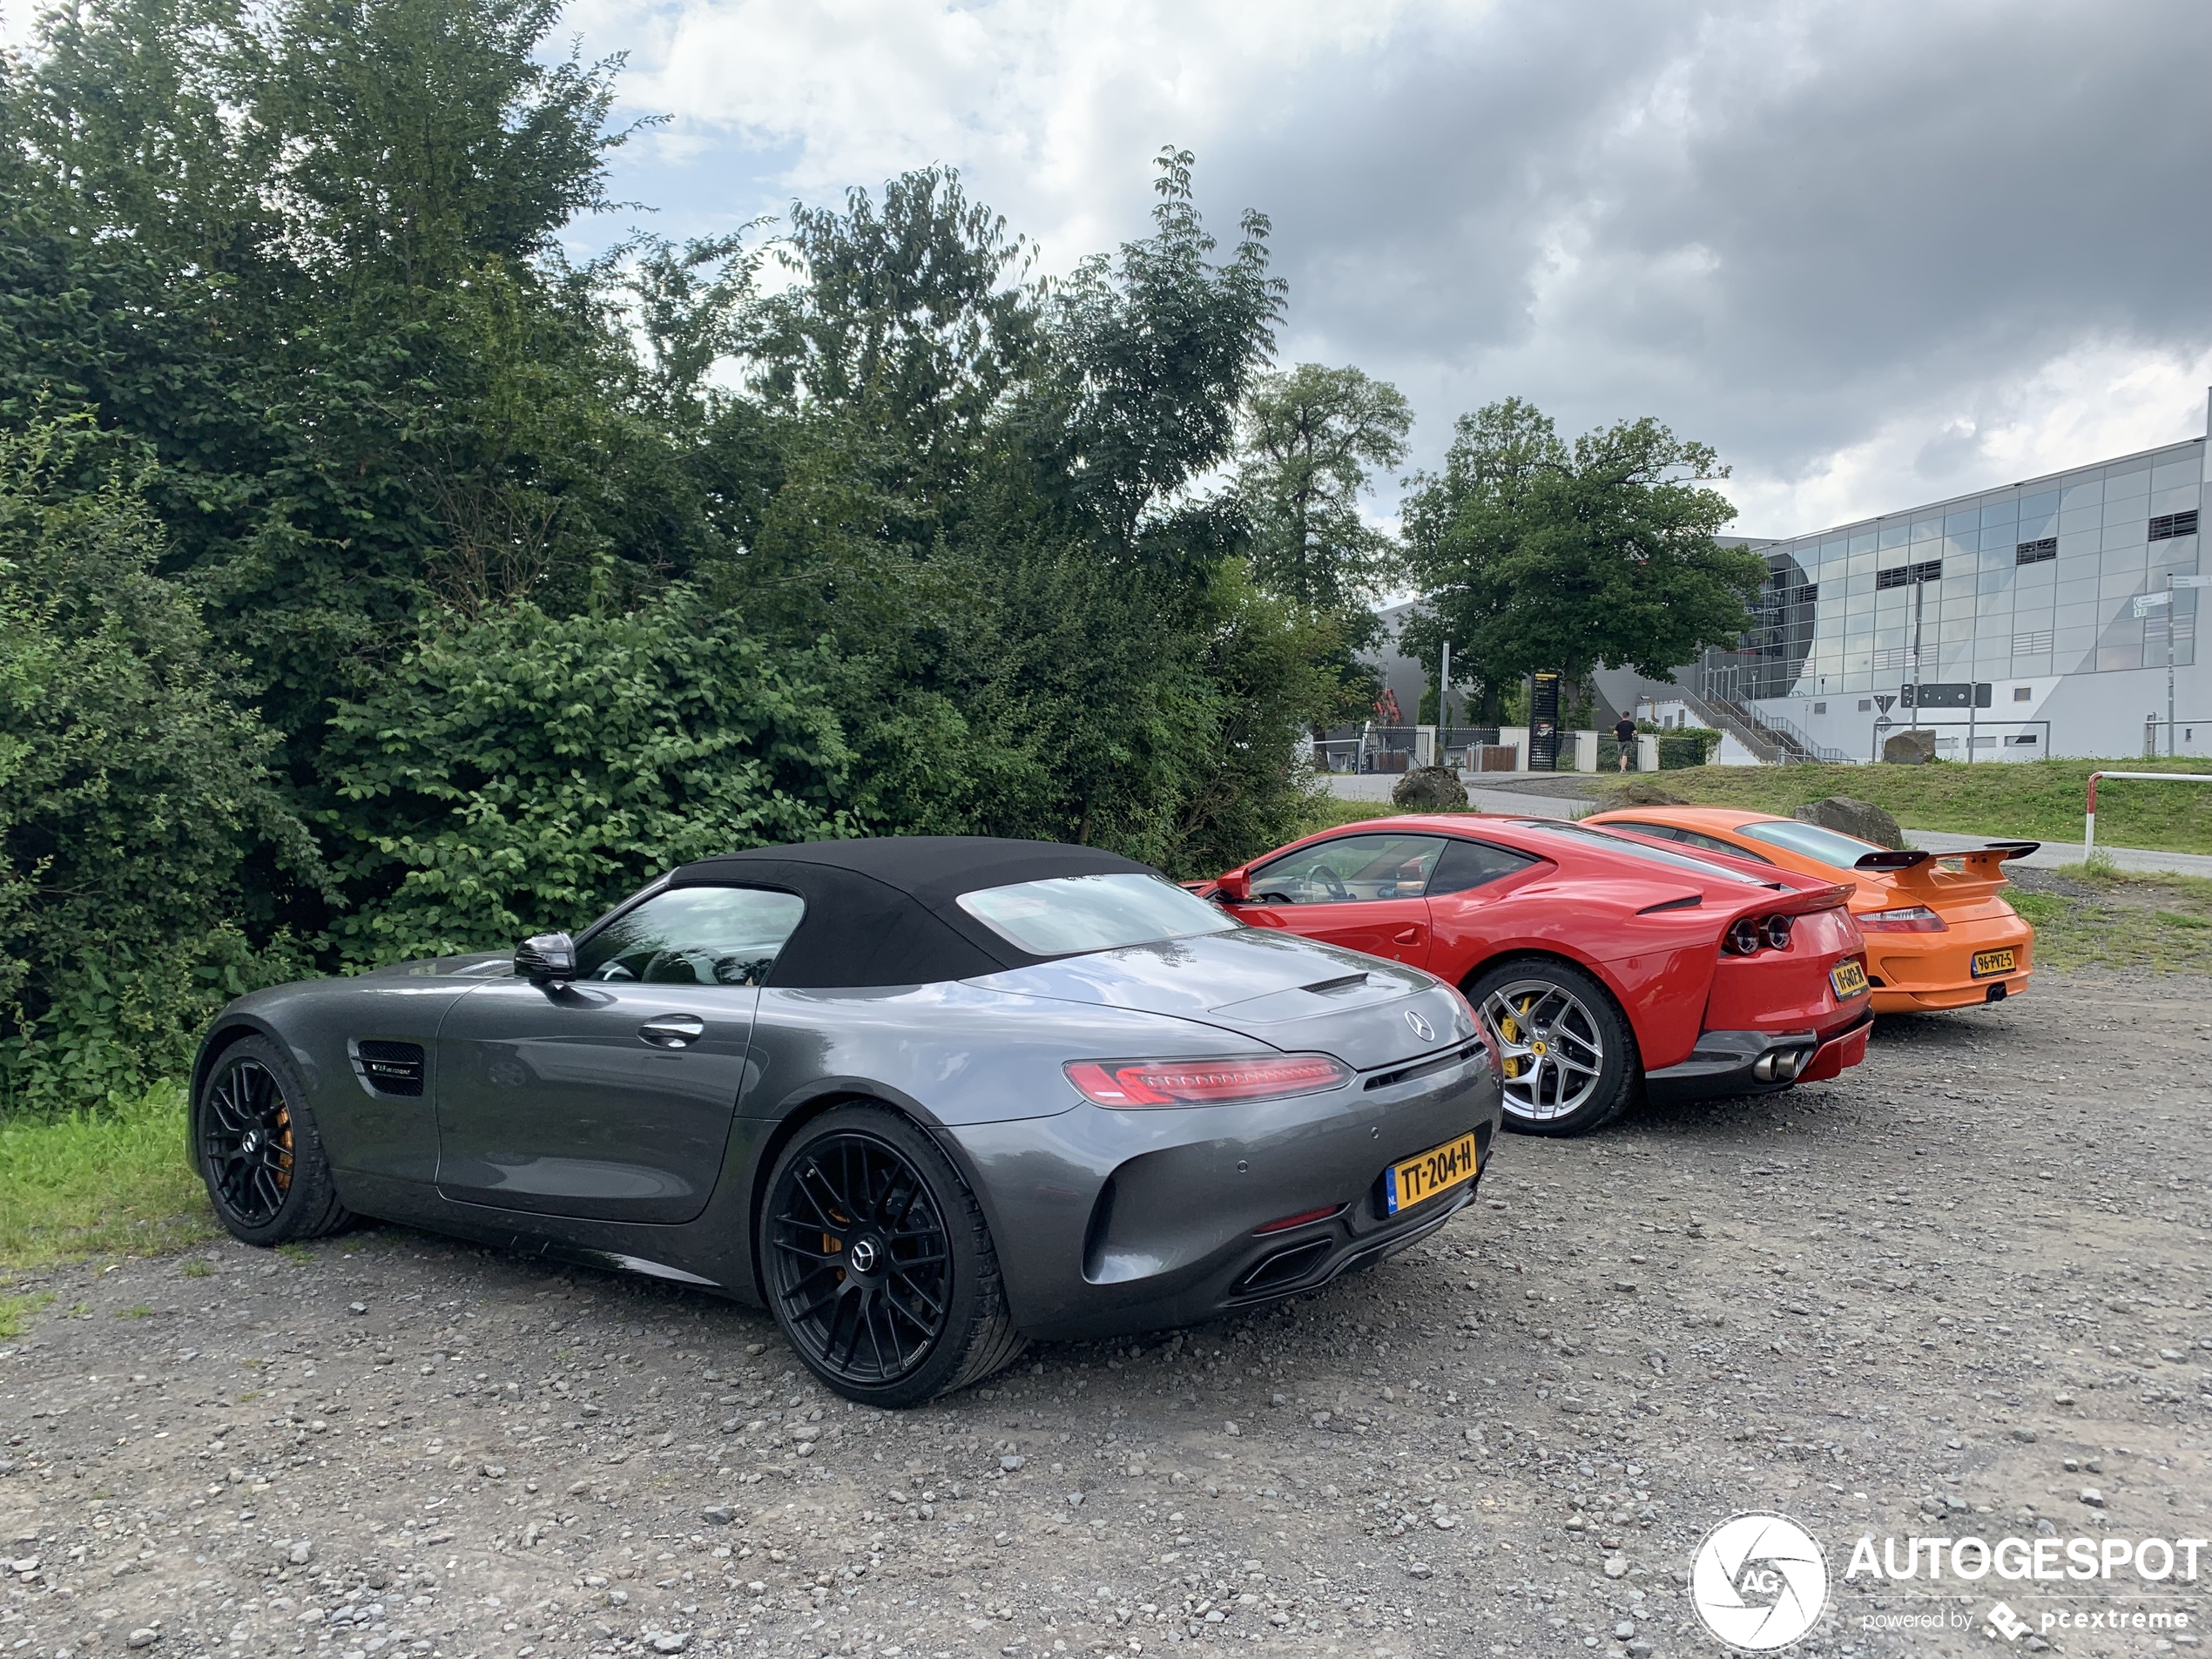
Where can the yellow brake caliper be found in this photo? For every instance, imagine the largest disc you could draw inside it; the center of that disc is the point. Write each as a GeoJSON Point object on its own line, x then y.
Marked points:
{"type": "Point", "coordinates": [1509, 1028]}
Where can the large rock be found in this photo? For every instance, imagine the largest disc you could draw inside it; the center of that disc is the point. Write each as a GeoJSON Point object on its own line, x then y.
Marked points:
{"type": "Point", "coordinates": [1637, 792]}
{"type": "Point", "coordinates": [1849, 816]}
{"type": "Point", "coordinates": [1430, 789]}
{"type": "Point", "coordinates": [1909, 748]}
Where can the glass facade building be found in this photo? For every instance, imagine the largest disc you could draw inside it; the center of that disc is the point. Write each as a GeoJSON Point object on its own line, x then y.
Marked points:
{"type": "Point", "coordinates": [2030, 592]}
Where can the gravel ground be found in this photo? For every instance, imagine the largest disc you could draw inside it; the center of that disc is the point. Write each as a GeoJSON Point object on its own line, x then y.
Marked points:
{"type": "Point", "coordinates": [1937, 1285]}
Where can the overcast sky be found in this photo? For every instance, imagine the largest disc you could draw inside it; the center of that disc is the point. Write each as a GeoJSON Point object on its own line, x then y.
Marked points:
{"type": "Point", "coordinates": [1876, 253]}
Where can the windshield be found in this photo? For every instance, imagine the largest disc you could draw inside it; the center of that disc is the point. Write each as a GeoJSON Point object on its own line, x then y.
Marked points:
{"type": "Point", "coordinates": [1828, 845]}
{"type": "Point", "coordinates": [1641, 850]}
{"type": "Point", "coordinates": [1069, 914]}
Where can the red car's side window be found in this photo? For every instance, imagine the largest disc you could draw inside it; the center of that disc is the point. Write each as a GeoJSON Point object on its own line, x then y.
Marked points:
{"type": "Point", "coordinates": [1468, 864]}
{"type": "Point", "coordinates": [1351, 869]}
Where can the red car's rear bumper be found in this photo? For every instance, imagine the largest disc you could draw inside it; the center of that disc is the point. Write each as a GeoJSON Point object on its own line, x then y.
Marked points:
{"type": "Point", "coordinates": [1837, 1052]}
{"type": "Point", "coordinates": [1759, 1063]}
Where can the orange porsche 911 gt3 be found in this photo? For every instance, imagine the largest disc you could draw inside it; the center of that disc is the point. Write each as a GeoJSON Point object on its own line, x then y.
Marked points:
{"type": "Point", "coordinates": [1938, 935]}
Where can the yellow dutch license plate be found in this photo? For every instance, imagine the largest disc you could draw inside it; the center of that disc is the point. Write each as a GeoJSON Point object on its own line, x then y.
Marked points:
{"type": "Point", "coordinates": [1426, 1174]}
{"type": "Point", "coordinates": [1849, 979]}
{"type": "Point", "coordinates": [1994, 961]}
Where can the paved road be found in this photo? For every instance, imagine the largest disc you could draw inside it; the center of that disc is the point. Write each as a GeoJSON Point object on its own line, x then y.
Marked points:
{"type": "Point", "coordinates": [2052, 855]}
{"type": "Point", "coordinates": [1958, 1292]}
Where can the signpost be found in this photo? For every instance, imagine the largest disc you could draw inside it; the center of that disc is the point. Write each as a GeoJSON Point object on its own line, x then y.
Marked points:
{"type": "Point", "coordinates": [1544, 721]}
{"type": "Point", "coordinates": [2146, 603]}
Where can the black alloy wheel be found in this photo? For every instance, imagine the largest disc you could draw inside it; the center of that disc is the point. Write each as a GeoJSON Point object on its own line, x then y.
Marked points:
{"type": "Point", "coordinates": [258, 1151]}
{"type": "Point", "coordinates": [245, 1141]}
{"type": "Point", "coordinates": [879, 1265]}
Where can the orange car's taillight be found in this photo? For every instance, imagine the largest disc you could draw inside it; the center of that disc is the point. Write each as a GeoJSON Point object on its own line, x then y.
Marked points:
{"type": "Point", "coordinates": [1204, 1082]}
{"type": "Point", "coordinates": [1908, 919]}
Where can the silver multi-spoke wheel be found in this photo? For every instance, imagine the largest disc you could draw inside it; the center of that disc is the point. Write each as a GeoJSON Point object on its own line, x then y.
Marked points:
{"type": "Point", "coordinates": [1551, 1048]}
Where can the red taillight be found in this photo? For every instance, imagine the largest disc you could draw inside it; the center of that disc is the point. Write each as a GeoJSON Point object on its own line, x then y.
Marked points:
{"type": "Point", "coordinates": [1909, 919]}
{"type": "Point", "coordinates": [1203, 1082]}
{"type": "Point", "coordinates": [1303, 1218]}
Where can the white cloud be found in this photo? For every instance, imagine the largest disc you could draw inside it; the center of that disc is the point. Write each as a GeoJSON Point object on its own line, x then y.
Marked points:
{"type": "Point", "coordinates": [1877, 251]}
{"type": "Point", "coordinates": [2093, 402]}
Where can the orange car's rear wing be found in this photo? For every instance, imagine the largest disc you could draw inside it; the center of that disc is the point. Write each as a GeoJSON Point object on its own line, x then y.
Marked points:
{"type": "Point", "coordinates": [1980, 874]}
{"type": "Point", "coordinates": [1901, 858]}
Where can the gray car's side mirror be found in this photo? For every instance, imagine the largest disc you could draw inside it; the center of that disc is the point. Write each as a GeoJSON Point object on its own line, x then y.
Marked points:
{"type": "Point", "coordinates": [546, 958]}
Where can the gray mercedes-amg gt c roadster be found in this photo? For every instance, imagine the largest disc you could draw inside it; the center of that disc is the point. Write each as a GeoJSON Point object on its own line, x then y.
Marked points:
{"type": "Point", "coordinates": [923, 1098]}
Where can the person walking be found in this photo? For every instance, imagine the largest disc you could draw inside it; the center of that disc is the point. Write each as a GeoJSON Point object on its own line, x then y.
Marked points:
{"type": "Point", "coordinates": [1624, 733]}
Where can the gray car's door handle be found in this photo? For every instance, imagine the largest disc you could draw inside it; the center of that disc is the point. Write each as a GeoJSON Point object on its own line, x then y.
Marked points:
{"type": "Point", "coordinates": [673, 1030]}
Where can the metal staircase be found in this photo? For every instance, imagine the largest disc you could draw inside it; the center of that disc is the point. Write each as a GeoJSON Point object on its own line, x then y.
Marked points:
{"type": "Point", "coordinates": [1774, 740]}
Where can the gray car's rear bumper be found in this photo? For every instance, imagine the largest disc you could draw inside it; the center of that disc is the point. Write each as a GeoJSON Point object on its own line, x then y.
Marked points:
{"type": "Point", "coordinates": [1113, 1221]}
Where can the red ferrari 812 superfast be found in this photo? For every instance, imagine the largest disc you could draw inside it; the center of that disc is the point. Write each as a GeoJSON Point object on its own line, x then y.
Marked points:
{"type": "Point", "coordinates": [1604, 965]}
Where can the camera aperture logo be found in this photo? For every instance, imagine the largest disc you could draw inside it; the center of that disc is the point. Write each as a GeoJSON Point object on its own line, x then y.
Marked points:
{"type": "Point", "coordinates": [1758, 1581]}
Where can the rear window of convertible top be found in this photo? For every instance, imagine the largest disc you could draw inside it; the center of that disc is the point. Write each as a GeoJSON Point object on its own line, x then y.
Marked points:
{"type": "Point", "coordinates": [1641, 850]}
{"type": "Point", "coordinates": [1067, 915]}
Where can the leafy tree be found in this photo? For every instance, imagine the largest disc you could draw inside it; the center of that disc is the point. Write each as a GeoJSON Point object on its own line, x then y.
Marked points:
{"type": "Point", "coordinates": [538, 576]}
{"type": "Point", "coordinates": [696, 304]}
{"type": "Point", "coordinates": [1313, 438]}
{"type": "Point", "coordinates": [417, 138]}
{"type": "Point", "coordinates": [135, 789]}
{"type": "Point", "coordinates": [1537, 554]}
{"type": "Point", "coordinates": [912, 319]}
{"type": "Point", "coordinates": [1152, 351]}
{"type": "Point", "coordinates": [519, 771]}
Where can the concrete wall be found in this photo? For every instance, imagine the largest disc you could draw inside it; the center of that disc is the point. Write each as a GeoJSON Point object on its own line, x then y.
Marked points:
{"type": "Point", "coordinates": [2088, 715]}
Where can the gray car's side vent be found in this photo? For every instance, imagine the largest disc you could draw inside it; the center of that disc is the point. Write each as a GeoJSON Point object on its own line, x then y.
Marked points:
{"type": "Point", "coordinates": [388, 1067]}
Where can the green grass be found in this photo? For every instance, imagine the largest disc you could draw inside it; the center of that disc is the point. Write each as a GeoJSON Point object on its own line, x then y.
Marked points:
{"type": "Point", "coordinates": [112, 1183]}
{"type": "Point", "coordinates": [2087, 918]}
{"type": "Point", "coordinates": [2037, 800]}
{"type": "Point", "coordinates": [15, 1311]}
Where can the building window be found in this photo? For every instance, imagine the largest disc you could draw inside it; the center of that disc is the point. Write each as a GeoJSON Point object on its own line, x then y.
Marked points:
{"type": "Point", "coordinates": [1820, 708]}
{"type": "Point", "coordinates": [1865, 704]}
{"type": "Point", "coordinates": [2036, 552]}
{"type": "Point", "coordinates": [2023, 694]}
{"type": "Point", "coordinates": [1906, 575]}
{"type": "Point", "coordinates": [2167, 526]}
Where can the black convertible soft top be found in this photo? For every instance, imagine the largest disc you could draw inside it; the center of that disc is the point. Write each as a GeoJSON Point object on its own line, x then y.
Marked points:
{"type": "Point", "coordinates": [883, 911]}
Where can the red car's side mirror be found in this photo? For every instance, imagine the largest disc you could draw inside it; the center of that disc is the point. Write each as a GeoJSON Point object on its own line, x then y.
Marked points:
{"type": "Point", "coordinates": [1235, 888]}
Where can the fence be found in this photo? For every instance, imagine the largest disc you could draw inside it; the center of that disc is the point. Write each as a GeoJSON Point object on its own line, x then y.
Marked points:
{"type": "Point", "coordinates": [1399, 748]}
{"type": "Point", "coordinates": [2089, 811]}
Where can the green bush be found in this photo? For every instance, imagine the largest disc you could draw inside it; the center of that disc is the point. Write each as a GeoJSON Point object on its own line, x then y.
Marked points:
{"type": "Point", "coordinates": [134, 789]}
{"type": "Point", "coordinates": [521, 772]}
{"type": "Point", "coordinates": [1687, 746]}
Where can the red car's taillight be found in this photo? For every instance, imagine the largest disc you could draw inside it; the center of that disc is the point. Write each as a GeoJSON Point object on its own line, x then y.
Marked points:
{"type": "Point", "coordinates": [1203, 1082]}
{"type": "Point", "coordinates": [1908, 919]}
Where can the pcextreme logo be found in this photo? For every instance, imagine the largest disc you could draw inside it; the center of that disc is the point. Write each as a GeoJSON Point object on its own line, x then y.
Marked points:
{"type": "Point", "coordinates": [1759, 1582]}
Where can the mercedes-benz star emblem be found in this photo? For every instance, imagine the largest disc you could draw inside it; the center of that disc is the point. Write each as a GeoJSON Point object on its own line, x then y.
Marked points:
{"type": "Point", "coordinates": [1422, 1029]}
{"type": "Point", "coordinates": [862, 1255]}
{"type": "Point", "coordinates": [250, 1143]}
